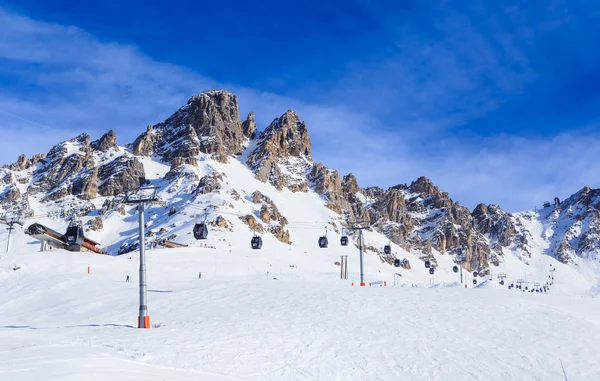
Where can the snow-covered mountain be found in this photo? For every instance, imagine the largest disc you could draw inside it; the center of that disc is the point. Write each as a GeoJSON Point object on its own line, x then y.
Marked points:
{"type": "Point", "coordinates": [209, 164]}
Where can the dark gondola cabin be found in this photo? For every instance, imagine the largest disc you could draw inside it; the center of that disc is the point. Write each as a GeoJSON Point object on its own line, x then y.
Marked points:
{"type": "Point", "coordinates": [397, 262]}
{"type": "Point", "coordinates": [344, 241]}
{"type": "Point", "coordinates": [74, 236]}
{"type": "Point", "coordinates": [431, 270]}
{"type": "Point", "coordinates": [427, 264]}
{"type": "Point", "coordinates": [502, 282]}
{"type": "Point", "coordinates": [455, 269]}
{"type": "Point", "coordinates": [474, 281]}
{"type": "Point", "coordinates": [474, 273]}
{"type": "Point", "coordinates": [387, 249]}
{"type": "Point", "coordinates": [323, 242]}
{"type": "Point", "coordinates": [200, 231]}
{"type": "Point", "coordinates": [256, 242]}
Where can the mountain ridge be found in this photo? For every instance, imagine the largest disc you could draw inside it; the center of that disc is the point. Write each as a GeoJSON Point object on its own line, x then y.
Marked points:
{"type": "Point", "coordinates": [418, 217]}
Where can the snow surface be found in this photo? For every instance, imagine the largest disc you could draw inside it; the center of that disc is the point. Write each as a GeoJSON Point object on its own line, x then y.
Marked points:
{"type": "Point", "coordinates": [238, 323]}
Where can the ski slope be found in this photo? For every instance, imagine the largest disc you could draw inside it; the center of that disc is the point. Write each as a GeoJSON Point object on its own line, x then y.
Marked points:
{"type": "Point", "coordinates": [57, 322]}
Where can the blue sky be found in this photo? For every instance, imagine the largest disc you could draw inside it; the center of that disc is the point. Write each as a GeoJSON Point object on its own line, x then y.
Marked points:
{"type": "Point", "coordinates": [496, 102]}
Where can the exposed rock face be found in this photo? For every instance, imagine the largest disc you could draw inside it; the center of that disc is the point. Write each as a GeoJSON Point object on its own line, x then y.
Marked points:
{"type": "Point", "coordinates": [66, 163]}
{"type": "Point", "coordinates": [328, 184]}
{"type": "Point", "coordinates": [252, 223]}
{"type": "Point", "coordinates": [249, 126]}
{"type": "Point", "coordinates": [96, 224]}
{"type": "Point", "coordinates": [209, 183]}
{"type": "Point", "coordinates": [208, 123]}
{"type": "Point", "coordinates": [283, 154]}
{"type": "Point", "coordinates": [121, 174]}
{"type": "Point", "coordinates": [10, 194]}
{"type": "Point", "coordinates": [280, 233]}
{"type": "Point", "coordinates": [107, 141]}
{"type": "Point", "coordinates": [268, 212]}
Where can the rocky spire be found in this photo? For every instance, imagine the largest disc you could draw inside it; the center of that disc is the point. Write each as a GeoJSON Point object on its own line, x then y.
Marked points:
{"type": "Point", "coordinates": [108, 140]}
{"type": "Point", "coordinates": [283, 141]}
{"type": "Point", "coordinates": [249, 126]}
{"type": "Point", "coordinates": [208, 123]}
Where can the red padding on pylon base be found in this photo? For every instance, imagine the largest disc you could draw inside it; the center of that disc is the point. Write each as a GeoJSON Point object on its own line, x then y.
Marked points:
{"type": "Point", "coordinates": [362, 284]}
{"type": "Point", "coordinates": [146, 322]}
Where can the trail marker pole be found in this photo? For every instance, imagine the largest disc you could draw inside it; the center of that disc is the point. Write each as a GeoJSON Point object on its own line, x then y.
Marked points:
{"type": "Point", "coordinates": [140, 197]}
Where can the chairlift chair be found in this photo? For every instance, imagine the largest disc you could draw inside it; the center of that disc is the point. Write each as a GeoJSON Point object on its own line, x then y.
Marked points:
{"type": "Point", "coordinates": [256, 242]}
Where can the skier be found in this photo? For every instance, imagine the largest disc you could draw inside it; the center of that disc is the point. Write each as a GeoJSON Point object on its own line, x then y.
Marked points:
{"type": "Point", "coordinates": [200, 275]}
{"type": "Point", "coordinates": [127, 280]}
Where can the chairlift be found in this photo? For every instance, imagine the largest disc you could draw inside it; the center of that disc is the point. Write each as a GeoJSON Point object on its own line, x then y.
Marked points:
{"type": "Point", "coordinates": [427, 264]}
{"type": "Point", "coordinates": [455, 268]}
{"type": "Point", "coordinates": [431, 270]}
{"type": "Point", "coordinates": [397, 262]}
{"type": "Point", "coordinates": [387, 249]}
{"type": "Point", "coordinates": [502, 282]}
{"type": "Point", "coordinates": [256, 242]}
{"type": "Point", "coordinates": [323, 242]}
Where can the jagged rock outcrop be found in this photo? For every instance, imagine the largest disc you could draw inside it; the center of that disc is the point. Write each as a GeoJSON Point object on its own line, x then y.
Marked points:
{"type": "Point", "coordinates": [283, 154]}
{"type": "Point", "coordinates": [10, 194]}
{"type": "Point", "coordinates": [95, 224]}
{"type": "Point", "coordinates": [107, 141]}
{"type": "Point", "coordinates": [209, 183]}
{"type": "Point", "coordinates": [249, 126]}
{"type": "Point", "coordinates": [252, 223]}
{"type": "Point", "coordinates": [119, 175]}
{"type": "Point", "coordinates": [268, 212]}
{"type": "Point", "coordinates": [209, 123]}
{"type": "Point", "coordinates": [280, 233]}
{"type": "Point", "coordinates": [327, 183]}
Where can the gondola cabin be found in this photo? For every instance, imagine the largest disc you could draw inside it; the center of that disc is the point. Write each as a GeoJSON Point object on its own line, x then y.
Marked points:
{"type": "Point", "coordinates": [323, 242]}
{"type": "Point", "coordinates": [387, 249]}
{"type": "Point", "coordinates": [200, 231]}
{"type": "Point", "coordinates": [74, 237]}
{"type": "Point", "coordinates": [474, 273]}
{"type": "Point", "coordinates": [455, 269]}
{"type": "Point", "coordinates": [474, 281]}
{"type": "Point", "coordinates": [397, 262]}
{"type": "Point", "coordinates": [431, 270]}
{"type": "Point", "coordinates": [344, 241]}
{"type": "Point", "coordinates": [256, 242]}
{"type": "Point", "coordinates": [427, 264]}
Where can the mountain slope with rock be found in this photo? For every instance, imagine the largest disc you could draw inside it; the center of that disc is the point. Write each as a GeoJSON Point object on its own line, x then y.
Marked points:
{"type": "Point", "coordinates": [211, 166]}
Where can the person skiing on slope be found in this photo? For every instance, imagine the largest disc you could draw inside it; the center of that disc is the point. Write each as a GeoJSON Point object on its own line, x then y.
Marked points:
{"type": "Point", "coordinates": [127, 280]}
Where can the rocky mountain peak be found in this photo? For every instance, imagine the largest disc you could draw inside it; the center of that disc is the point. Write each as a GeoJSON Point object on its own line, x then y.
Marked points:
{"type": "Point", "coordinates": [108, 140]}
{"type": "Point", "coordinates": [208, 123]}
{"type": "Point", "coordinates": [282, 154]}
{"type": "Point", "coordinates": [424, 186]}
{"type": "Point", "coordinates": [249, 126]}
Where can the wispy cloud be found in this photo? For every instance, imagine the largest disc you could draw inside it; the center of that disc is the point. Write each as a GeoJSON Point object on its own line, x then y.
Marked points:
{"type": "Point", "coordinates": [388, 122]}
